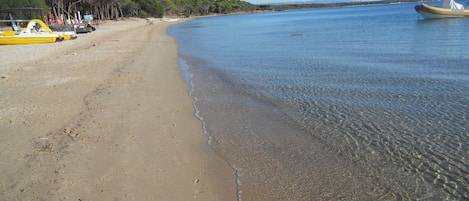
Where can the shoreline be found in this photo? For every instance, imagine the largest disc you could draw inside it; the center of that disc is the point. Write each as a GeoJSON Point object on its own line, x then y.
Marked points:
{"type": "Point", "coordinates": [105, 116]}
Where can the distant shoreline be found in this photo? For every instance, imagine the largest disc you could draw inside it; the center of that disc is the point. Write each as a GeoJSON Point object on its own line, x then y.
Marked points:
{"type": "Point", "coordinates": [281, 7]}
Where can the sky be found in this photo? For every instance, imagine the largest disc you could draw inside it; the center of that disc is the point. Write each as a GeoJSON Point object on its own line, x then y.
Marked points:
{"type": "Point", "coordinates": [297, 1]}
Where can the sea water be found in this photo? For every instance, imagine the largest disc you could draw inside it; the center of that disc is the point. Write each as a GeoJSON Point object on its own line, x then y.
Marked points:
{"type": "Point", "coordinates": [349, 103]}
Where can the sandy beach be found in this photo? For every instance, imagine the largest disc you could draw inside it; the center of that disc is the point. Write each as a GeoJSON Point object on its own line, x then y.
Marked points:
{"type": "Point", "coordinates": [104, 117]}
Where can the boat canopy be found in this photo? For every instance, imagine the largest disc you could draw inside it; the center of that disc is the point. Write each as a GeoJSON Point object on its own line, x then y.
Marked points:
{"type": "Point", "coordinates": [451, 4]}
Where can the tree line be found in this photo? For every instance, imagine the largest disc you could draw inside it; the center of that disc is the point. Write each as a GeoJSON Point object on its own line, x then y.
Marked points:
{"type": "Point", "coordinates": [114, 9]}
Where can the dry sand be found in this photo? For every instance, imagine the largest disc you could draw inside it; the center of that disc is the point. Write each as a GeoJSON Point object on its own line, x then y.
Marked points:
{"type": "Point", "coordinates": [104, 117]}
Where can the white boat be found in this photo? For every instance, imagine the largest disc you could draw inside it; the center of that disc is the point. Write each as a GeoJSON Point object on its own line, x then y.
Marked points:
{"type": "Point", "coordinates": [65, 32]}
{"type": "Point", "coordinates": [165, 19]}
{"type": "Point", "coordinates": [450, 8]}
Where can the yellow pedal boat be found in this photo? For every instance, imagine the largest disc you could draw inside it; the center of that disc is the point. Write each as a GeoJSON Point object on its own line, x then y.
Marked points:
{"type": "Point", "coordinates": [35, 32]}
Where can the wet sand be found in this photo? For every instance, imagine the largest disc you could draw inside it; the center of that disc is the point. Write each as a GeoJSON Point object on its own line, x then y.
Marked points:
{"type": "Point", "coordinates": [104, 117]}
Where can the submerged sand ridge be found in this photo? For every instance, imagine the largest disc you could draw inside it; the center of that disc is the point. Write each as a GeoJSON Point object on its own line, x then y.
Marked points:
{"type": "Point", "coordinates": [106, 116]}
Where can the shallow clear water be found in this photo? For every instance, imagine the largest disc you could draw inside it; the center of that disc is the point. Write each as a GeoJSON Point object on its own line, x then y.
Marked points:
{"type": "Point", "coordinates": [351, 103]}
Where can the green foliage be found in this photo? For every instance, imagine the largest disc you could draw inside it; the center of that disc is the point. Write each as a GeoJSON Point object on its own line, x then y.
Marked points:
{"type": "Point", "coordinates": [23, 9]}
{"type": "Point", "coordinates": [150, 8]}
{"type": "Point", "coordinates": [132, 9]}
{"type": "Point", "coordinates": [6, 4]}
{"type": "Point", "coordinates": [135, 8]}
{"type": "Point", "coordinates": [186, 8]}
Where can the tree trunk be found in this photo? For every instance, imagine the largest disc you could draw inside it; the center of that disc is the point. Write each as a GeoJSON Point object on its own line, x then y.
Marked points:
{"type": "Point", "coordinates": [70, 7]}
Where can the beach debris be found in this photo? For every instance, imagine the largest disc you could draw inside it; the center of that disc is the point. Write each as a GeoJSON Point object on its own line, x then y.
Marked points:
{"type": "Point", "coordinates": [70, 133]}
{"type": "Point", "coordinates": [196, 181]}
{"type": "Point", "coordinates": [43, 144]}
{"type": "Point", "coordinates": [3, 76]}
{"type": "Point", "coordinates": [48, 147]}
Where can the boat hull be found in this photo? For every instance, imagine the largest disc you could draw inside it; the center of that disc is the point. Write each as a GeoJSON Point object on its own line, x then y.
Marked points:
{"type": "Point", "coordinates": [431, 12]}
{"type": "Point", "coordinates": [12, 40]}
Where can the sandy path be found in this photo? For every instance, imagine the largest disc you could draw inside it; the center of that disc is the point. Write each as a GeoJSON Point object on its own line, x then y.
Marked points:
{"type": "Point", "coordinates": [103, 117]}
